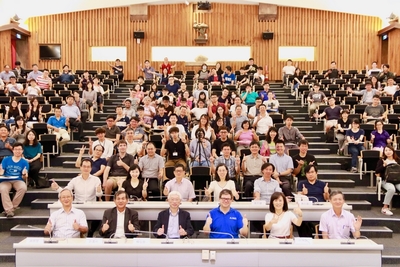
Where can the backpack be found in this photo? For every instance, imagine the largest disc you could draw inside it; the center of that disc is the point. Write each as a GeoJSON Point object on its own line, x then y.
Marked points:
{"type": "Point", "coordinates": [392, 173]}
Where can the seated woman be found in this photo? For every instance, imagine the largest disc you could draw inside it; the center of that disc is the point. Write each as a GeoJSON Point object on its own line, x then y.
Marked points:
{"type": "Point", "coordinates": [34, 113]}
{"type": "Point", "coordinates": [89, 95]}
{"type": "Point", "coordinates": [279, 220]}
{"type": "Point", "coordinates": [379, 137]}
{"type": "Point", "coordinates": [100, 94]}
{"type": "Point", "coordinates": [205, 125]}
{"type": "Point", "coordinates": [221, 182]}
{"type": "Point", "coordinates": [214, 78]}
{"type": "Point", "coordinates": [134, 186]}
{"type": "Point", "coordinates": [245, 136]}
{"type": "Point", "coordinates": [12, 111]}
{"type": "Point", "coordinates": [272, 104]}
{"type": "Point", "coordinates": [268, 145]}
{"type": "Point", "coordinates": [342, 126]}
{"type": "Point", "coordinates": [389, 157]}
{"type": "Point", "coordinates": [32, 153]}
{"type": "Point", "coordinates": [355, 139]}
{"type": "Point", "coordinates": [98, 163]}
{"type": "Point", "coordinates": [19, 130]}
{"type": "Point", "coordinates": [203, 73]}
{"type": "Point", "coordinates": [221, 115]}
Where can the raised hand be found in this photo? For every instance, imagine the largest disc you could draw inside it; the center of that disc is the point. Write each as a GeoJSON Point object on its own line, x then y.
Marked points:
{"type": "Point", "coordinates": [131, 227]}
{"type": "Point", "coordinates": [357, 223]}
{"type": "Point", "coordinates": [298, 211]}
{"type": "Point", "coordinates": [326, 188]}
{"type": "Point", "coordinates": [120, 162]}
{"type": "Point", "coordinates": [82, 150]}
{"type": "Point", "coordinates": [90, 141]}
{"type": "Point", "coordinates": [209, 219]}
{"type": "Point", "coordinates": [54, 185]}
{"type": "Point", "coordinates": [105, 227]}
{"type": "Point", "coordinates": [274, 219]}
{"type": "Point", "coordinates": [182, 231]}
{"type": "Point", "coordinates": [98, 188]}
{"type": "Point", "coordinates": [160, 231]}
{"type": "Point", "coordinates": [207, 192]}
{"type": "Point", "coordinates": [75, 225]}
{"type": "Point", "coordinates": [145, 183]}
{"type": "Point", "coordinates": [300, 162]}
{"type": "Point", "coordinates": [304, 190]}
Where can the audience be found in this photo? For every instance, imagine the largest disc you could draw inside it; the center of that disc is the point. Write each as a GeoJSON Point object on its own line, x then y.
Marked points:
{"type": "Point", "coordinates": [180, 184]}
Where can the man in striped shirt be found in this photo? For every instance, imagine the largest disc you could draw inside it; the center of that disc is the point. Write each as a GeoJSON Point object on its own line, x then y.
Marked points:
{"type": "Point", "coordinates": [44, 81]}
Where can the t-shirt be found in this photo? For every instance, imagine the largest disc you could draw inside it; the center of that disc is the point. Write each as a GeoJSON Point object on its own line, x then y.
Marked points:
{"type": "Point", "coordinates": [119, 170]}
{"type": "Point", "coordinates": [356, 135]}
{"type": "Point", "coordinates": [289, 70]}
{"type": "Point", "coordinates": [112, 132]}
{"type": "Point", "coordinates": [133, 191]}
{"type": "Point", "coordinates": [344, 125]}
{"type": "Point", "coordinates": [216, 188]}
{"type": "Point", "coordinates": [251, 68]}
{"type": "Point", "coordinates": [334, 74]}
{"type": "Point", "coordinates": [282, 227]}
{"type": "Point", "coordinates": [31, 151]}
{"type": "Point", "coordinates": [380, 138]}
{"type": "Point", "coordinates": [375, 112]}
{"type": "Point", "coordinates": [175, 150]}
{"type": "Point", "coordinates": [161, 120]}
{"type": "Point", "coordinates": [217, 145]}
{"type": "Point", "coordinates": [96, 164]}
{"type": "Point", "coordinates": [333, 113]}
{"type": "Point", "coordinates": [314, 190]}
{"type": "Point", "coordinates": [12, 168]}
{"type": "Point", "coordinates": [317, 96]}
{"type": "Point", "coordinates": [250, 98]}
{"type": "Point", "coordinates": [231, 223]}
{"type": "Point", "coordinates": [307, 159]}
{"type": "Point", "coordinates": [229, 78]}
{"type": "Point", "coordinates": [173, 88]}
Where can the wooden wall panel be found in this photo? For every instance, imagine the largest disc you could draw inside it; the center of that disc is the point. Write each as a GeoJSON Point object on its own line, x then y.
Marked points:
{"type": "Point", "coordinates": [349, 39]}
{"type": "Point", "coordinates": [5, 49]}
{"type": "Point", "coordinates": [393, 50]}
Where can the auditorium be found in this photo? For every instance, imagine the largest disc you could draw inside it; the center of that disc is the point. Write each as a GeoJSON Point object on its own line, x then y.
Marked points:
{"type": "Point", "coordinates": [199, 133]}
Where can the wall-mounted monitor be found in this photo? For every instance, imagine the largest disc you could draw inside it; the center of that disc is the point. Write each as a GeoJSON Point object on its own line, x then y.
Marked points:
{"type": "Point", "coordinates": [49, 51]}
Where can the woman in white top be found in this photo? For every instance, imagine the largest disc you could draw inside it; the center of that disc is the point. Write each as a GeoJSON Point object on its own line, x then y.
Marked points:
{"type": "Point", "coordinates": [100, 94]}
{"type": "Point", "coordinates": [279, 220]}
{"type": "Point", "coordinates": [90, 97]}
{"type": "Point", "coordinates": [33, 89]}
{"type": "Point", "coordinates": [272, 104]}
{"type": "Point", "coordinates": [221, 182]}
{"type": "Point", "coordinates": [205, 125]}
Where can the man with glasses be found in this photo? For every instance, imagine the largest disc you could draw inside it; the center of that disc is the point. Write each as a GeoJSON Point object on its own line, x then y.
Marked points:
{"type": "Point", "coordinates": [113, 133]}
{"type": "Point", "coordinates": [180, 184]}
{"type": "Point", "coordinates": [225, 220]}
{"type": "Point", "coordinates": [223, 138]}
{"type": "Point", "coordinates": [231, 162]}
{"type": "Point", "coordinates": [108, 146]}
{"type": "Point", "coordinates": [44, 81]}
{"type": "Point", "coordinates": [152, 166]}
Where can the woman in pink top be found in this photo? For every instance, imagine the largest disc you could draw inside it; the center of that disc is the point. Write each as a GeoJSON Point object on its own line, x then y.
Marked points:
{"type": "Point", "coordinates": [245, 136]}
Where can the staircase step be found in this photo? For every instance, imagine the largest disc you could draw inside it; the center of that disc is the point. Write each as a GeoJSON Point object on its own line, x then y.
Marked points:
{"type": "Point", "coordinates": [28, 230]}
{"type": "Point", "coordinates": [69, 164]}
{"type": "Point", "coordinates": [329, 166]}
{"type": "Point", "coordinates": [7, 223]}
{"type": "Point", "coordinates": [376, 232]}
{"type": "Point", "coordinates": [359, 204]}
{"type": "Point", "coordinates": [318, 151]}
{"type": "Point", "coordinates": [7, 257]}
{"type": "Point", "coordinates": [343, 183]}
{"type": "Point", "coordinates": [38, 204]}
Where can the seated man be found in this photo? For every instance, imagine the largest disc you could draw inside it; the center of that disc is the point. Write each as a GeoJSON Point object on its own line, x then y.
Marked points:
{"type": "Point", "coordinates": [175, 150]}
{"type": "Point", "coordinates": [302, 160]}
{"type": "Point", "coordinates": [289, 134]}
{"type": "Point", "coordinates": [129, 110]}
{"type": "Point", "coordinates": [107, 145]}
{"type": "Point", "coordinates": [16, 167]}
{"type": "Point", "coordinates": [251, 168]}
{"type": "Point", "coordinates": [121, 120]}
{"type": "Point", "coordinates": [265, 186]}
{"type": "Point", "coordinates": [283, 167]}
{"type": "Point", "coordinates": [138, 131]}
{"type": "Point", "coordinates": [13, 88]}
{"type": "Point", "coordinates": [375, 111]}
{"type": "Point", "coordinates": [262, 121]}
{"type": "Point", "coordinates": [98, 163]}
{"type": "Point", "coordinates": [231, 162]}
{"type": "Point", "coordinates": [67, 222]}
{"type": "Point", "coordinates": [237, 103]}
{"type": "Point", "coordinates": [72, 114]}
{"type": "Point", "coordinates": [180, 184]}
{"type": "Point", "coordinates": [58, 124]}
{"type": "Point", "coordinates": [223, 138]}
{"type": "Point", "coordinates": [390, 88]}
{"type": "Point", "coordinates": [120, 221]}
{"type": "Point", "coordinates": [161, 119]}
{"type": "Point", "coordinates": [66, 76]}
{"type": "Point", "coordinates": [315, 98]}
{"type": "Point", "coordinates": [132, 147]}
{"type": "Point", "coordinates": [117, 168]}
{"type": "Point", "coordinates": [228, 77]}
{"type": "Point", "coordinates": [173, 222]}
{"type": "Point", "coordinates": [44, 81]}
{"type": "Point", "coordinates": [152, 167]}
{"type": "Point", "coordinates": [6, 74]}
{"type": "Point", "coordinates": [6, 143]}
{"type": "Point", "coordinates": [333, 72]}
{"type": "Point", "coordinates": [367, 94]}
{"type": "Point", "coordinates": [113, 133]}
{"type": "Point", "coordinates": [332, 114]}
{"type": "Point", "coordinates": [255, 110]}
{"type": "Point", "coordinates": [237, 119]}
{"type": "Point", "coordinates": [337, 223]}
{"type": "Point", "coordinates": [225, 219]}
{"type": "Point", "coordinates": [249, 96]}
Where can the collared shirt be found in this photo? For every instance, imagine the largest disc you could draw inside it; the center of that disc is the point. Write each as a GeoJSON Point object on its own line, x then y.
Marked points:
{"type": "Point", "coordinates": [231, 223]}
{"type": "Point", "coordinates": [173, 225]}
{"type": "Point", "coordinates": [43, 83]}
{"type": "Point", "coordinates": [281, 163]}
{"type": "Point", "coordinates": [108, 147]}
{"type": "Point", "coordinates": [58, 123]}
{"type": "Point", "coordinates": [151, 166]}
{"type": "Point", "coordinates": [62, 222]}
{"type": "Point", "coordinates": [253, 165]}
{"type": "Point", "coordinates": [84, 190]}
{"type": "Point", "coordinates": [291, 135]}
{"type": "Point", "coordinates": [5, 76]}
{"type": "Point", "coordinates": [230, 163]}
{"type": "Point", "coordinates": [133, 148]}
{"type": "Point", "coordinates": [266, 188]}
{"type": "Point", "coordinates": [33, 75]}
{"type": "Point", "coordinates": [129, 112]}
{"type": "Point", "coordinates": [337, 227]}
{"type": "Point", "coordinates": [70, 111]}
{"type": "Point", "coordinates": [185, 187]}
{"type": "Point", "coordinates": [120, 231]}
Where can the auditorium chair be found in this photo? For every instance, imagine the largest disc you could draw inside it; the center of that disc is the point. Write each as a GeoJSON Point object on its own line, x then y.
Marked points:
{"type": "Point", "coordinates": [64, 94]}
{"type": "Point", "coordinates": [340, 93]}
{"type": "Point", "coordinates": [41, 100]}
{"type": "Point", "coordinates": [57, 87]}
{"type": "Point", "coordinates": [54, 73]}
{"type": "Point", "coordinates": [367, 163]}
{"type": "Point", "coordinates": [200, 177]}
{"type": "Point", "coordinates": [106, 73]}
{"type": "Point", "coordinates": [73, 87]}
{"type": "Point", "coordinates": [55, 100]}
{"type": "Point", "coordinates": [49, 144]}
{"type": "Point", "coordinates": [79, 72]}
{"type": "Point", "coordinates": [40, 128]}
{"type": "Point", "coordinates": [386, 100]}
{"type": "Point", "coordinates": [353, 72]}
{"type": "Point", "coordinates": [4, 99]}
{"type": "Point", "coordinates": [46, 108]}
{"type": "Point", "coordinates": [276, 117]}
{"type": "Point", "coordinates": [93, 73]}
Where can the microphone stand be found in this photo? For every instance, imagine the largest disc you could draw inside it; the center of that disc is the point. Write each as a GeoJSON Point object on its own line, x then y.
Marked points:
{"type": "Point", "coordinates": [232, 241]}
{"type": "Point", "coordinates": [50, 240]}
{"type": "Point", "coordinates": [167, 241]}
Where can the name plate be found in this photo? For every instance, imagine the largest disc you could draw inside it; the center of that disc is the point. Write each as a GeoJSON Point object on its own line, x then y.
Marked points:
{"type": "Point", "coordinates": [141, 241]}
{"type": "Point", "coordinates": [34, 240]}
{"type": "Point", "coordinates": [303, 241]}
{"type": "Point", "coordinates": [94, 241]}
{"type": "Point", "coordinates": [305, 203]}
{"type": "Point", "coordinates": [259, 202]}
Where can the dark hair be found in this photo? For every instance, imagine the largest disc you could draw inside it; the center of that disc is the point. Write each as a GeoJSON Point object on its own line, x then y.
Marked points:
{"type": "Point", "coordinates": [226, 144]}
{"type": "Point", "coordinates": [274, 197]}
{"type": "Point", "coordinates": [254, 143]}
{"type": "Point", "coordinates": [289, 117]}
{"type": "Point", "coordinates": [334, 193]}
{"type": "Point", "coordinates": [102, 147]}
{"type": "Point", "coordinates": [99, 130]}
{"type": "Point", "coordinates": [279, 142]}
{"type": "Point", "coordinates": [268, 137]}
{"type": "Point", "coordinates": [71, 96]}
{"type": "Point", "coordinates": [165, 98]}
{"type": "Point", "coordinates": [309, 167]}
{"type": "Point", "coordinates": [173, 115]}
{"type": "Point", "coordinates": [35, 141]}
{"type": "Point", "coordinates": [244, 122]}
{"type": "Point", "coordinates": [356, 121]}
{"type": "Point", "coordinates": [120, 192]}
{"type": "Point", "coordinates": [229, 68]}
{"type": "Point", "coordinates": [179, 166]}
{"type": "Point", "coordinates": [174, 130]}
{"type": "Point", "coordinates": [110, 117]}
{"type": "Point", "coordinates": [303, 142]}
{"type": "Point", "coordinates": [226, 192]}
{"type": "Point", "coordinates": [151, 143]}
{"type": "Point", "coordinates": [16, 144]}
{"type": "Point", "coordinates": [376, 96]}
{"type": "Point", "coordinates": [45, 70]}
{"type": "Point", "coordinates": [223, 128]}
{"type": "Point", "coordinates": [386, 65]}
{"type": "Point", "coordinates": [266, 165]}
{"type": "Point", "coordinates": [122, 142]}
{"type": "Point", "coordinates": [395, 157]}
{"type": "Point", "coordinates": [65, 66]}
{"type": "Point", "coordinates": [17, 63]}
{"type": "Point", "coordinates": [133, 167]}
{"type": "Point", "coordinates": [217, 178]}
{"type": "Point", "coordinates": [87, 160]}
{"type": "Point", "coordinates": [140, 108]}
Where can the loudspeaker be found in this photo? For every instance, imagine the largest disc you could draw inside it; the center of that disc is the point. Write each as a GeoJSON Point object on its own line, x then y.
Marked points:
{"type": "Point", "coordinates": [268, 35]}
{"type": "Point", "coordinates": [138, 35]}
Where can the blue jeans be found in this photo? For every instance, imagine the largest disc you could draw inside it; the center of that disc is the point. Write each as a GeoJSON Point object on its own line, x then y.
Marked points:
{"type": "Point", "coordinates": [203, 163]}
{"type": "Point", "coordinates": [354, 151]}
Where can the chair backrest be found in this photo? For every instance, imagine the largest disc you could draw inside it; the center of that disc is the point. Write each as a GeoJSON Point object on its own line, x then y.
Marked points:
{"type": "Point", "coordinates": [169, 172]}
{"type": "Point", "coordinates": [370, 157]}
{"type": "Point", "coordinates": [49, 143]}
{"type": "Point", "coordinates": [40, 128]}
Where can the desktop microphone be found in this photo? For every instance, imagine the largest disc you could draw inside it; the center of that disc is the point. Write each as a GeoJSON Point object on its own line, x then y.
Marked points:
{"type": "Point", "coordinates": [232, 241]}
{"type": "Point", "coordinates": [48, 241]}
{"type": "Point", "coordinates": [347, 242]}
{"type": "Point", "coordinates": [114, 241]}
{"type": "Point", "coordinates": [167, 241]}
{"type": "Point", "coordinates": [316, 199]}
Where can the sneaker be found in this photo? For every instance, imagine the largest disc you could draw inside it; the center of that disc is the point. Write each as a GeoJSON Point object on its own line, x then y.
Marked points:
{"type": "Point", "coordinates": [354, 170]}
{"type": "Point", "coordinates": [386, 211]}
{"type": "Point", "coordinates": [10, 214]}
{"type": "Point", "coordinates": [293, 93]}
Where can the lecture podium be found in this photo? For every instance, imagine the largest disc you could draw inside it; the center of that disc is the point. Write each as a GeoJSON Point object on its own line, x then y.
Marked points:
{"type": "Point", "coordinates": [148, 210]}
{"type": "Point", "coordinates": [146, 252]}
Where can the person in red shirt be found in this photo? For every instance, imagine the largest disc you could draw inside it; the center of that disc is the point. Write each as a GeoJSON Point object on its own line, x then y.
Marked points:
{"type": "Point", "coordinates": [214, 104]}
{"type": "Point", "coordinates": [214, 78]}
{"type": "Point", "coordinates": [166, 65]}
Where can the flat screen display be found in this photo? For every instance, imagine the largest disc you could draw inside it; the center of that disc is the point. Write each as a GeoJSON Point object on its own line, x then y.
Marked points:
{"type": "Point", "coordinates": [50, 51]}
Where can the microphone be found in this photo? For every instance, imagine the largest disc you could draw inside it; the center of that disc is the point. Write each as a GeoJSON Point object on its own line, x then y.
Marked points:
{"type": "Point", "coordinates": [316, 199]}
{"type": "Point", "coordinates": [50, 240]}
{"type": "Point", "coordinates": [167, 241]}
{"type": "Point", "coordinates": [347, 242]}
{"type": "Point", "coordinates": [232, 241]}
{"type": "Point", "coordinates": [114, 241]}
{"type": "Point", "coordinates": [362, 237]}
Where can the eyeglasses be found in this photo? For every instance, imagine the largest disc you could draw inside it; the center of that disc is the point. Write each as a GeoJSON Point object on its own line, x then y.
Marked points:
{"type": "Point", "coordinates": [225, 199]}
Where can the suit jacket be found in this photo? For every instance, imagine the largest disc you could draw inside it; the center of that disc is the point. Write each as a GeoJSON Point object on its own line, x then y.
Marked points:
{"type": "Point", "coordinates": [111, 216]}
{"type": "Point", "coordinates": [184, 221]}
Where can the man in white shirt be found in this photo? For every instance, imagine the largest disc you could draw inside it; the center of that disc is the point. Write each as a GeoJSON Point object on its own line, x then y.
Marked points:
{"type": "Point", "coordinates": [254, 110]}
{"type": "Point", "coordinates": [14, 88]}
{"type": "Point", "coordinates": [133, 148]}
{"type": "Point", "coordinates": [390, 89]}
{"type": "Point", "coordinates": [107, 144]}
{"type": "Point", "coordinates": [120, 221]}
{"type": "Point", "coordinates": [263, 121]}
{"type": "Point", "coordinates": [238, 102]}
{"type": "Point", "coordinates": [129, 111]}
{"type": "Point", "coordinates": [374, 70]}
{"type": "Point", "coordinates": [289, 69]}
{"type": "Point", "coordinates": [180, 184]}
{"type": "Point", "coordinates": [66, 222]}
{"type": "Point", "coordinates": [199, 110]}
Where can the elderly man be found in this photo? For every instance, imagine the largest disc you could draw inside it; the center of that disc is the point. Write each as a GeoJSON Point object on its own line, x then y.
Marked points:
{"type": "Point", "coordinates": [251, 168]}
{"type": "Point", "coordinates": [180, 184]}
{"type": "Point", "coordinates": [35, 73]}
{"type": "Point", "coordinates": [173, 222]}
{"type": "Point", "coordinates": [15, 171]}
{"type": "Point", "coordinates": [225, 220]}
{"type": "Point", "coordinates": [262, 122]}
{"type": "Point", "coordinates": [337, 223]}
{"type": "Point", "coordinates": [283, 167]}
{"type": "Point", "coordinates": [67, 222]}
{"type": "Point", "coordinates": [120, 221]}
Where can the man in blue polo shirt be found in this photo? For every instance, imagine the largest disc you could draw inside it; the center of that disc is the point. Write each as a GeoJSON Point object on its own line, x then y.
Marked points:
{"type": "Point", "coordinates": [58, 124]}
{"type": "Point", "coordinates": [14, 170]}
{"type": "Point", "coordinates": [226, 220]}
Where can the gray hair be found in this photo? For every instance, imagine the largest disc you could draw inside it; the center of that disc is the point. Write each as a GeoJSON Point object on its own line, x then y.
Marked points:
{"type": "Point", "coordinates": [174, 193]}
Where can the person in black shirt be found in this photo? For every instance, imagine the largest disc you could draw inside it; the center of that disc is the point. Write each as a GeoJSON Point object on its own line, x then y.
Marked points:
{"type": "Point", "coordinates": [251, 68]}
{"type": "Point", "coordinates": [302, 160]}
{"type": "Point", "coordinates": [161, 119]}
{"type": "Point", "coordinates": [176, 150]}
{"type": "Point", "coordinates": [217, 145]}
{"type": "Point", "coordinates": [134, 185]}
{"type": "Point", "coordinates": [333, 72]}
{"type": "Point", "coordinates": [342, 126]}
{"type": "Point", "coordinates": [118, 69]}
